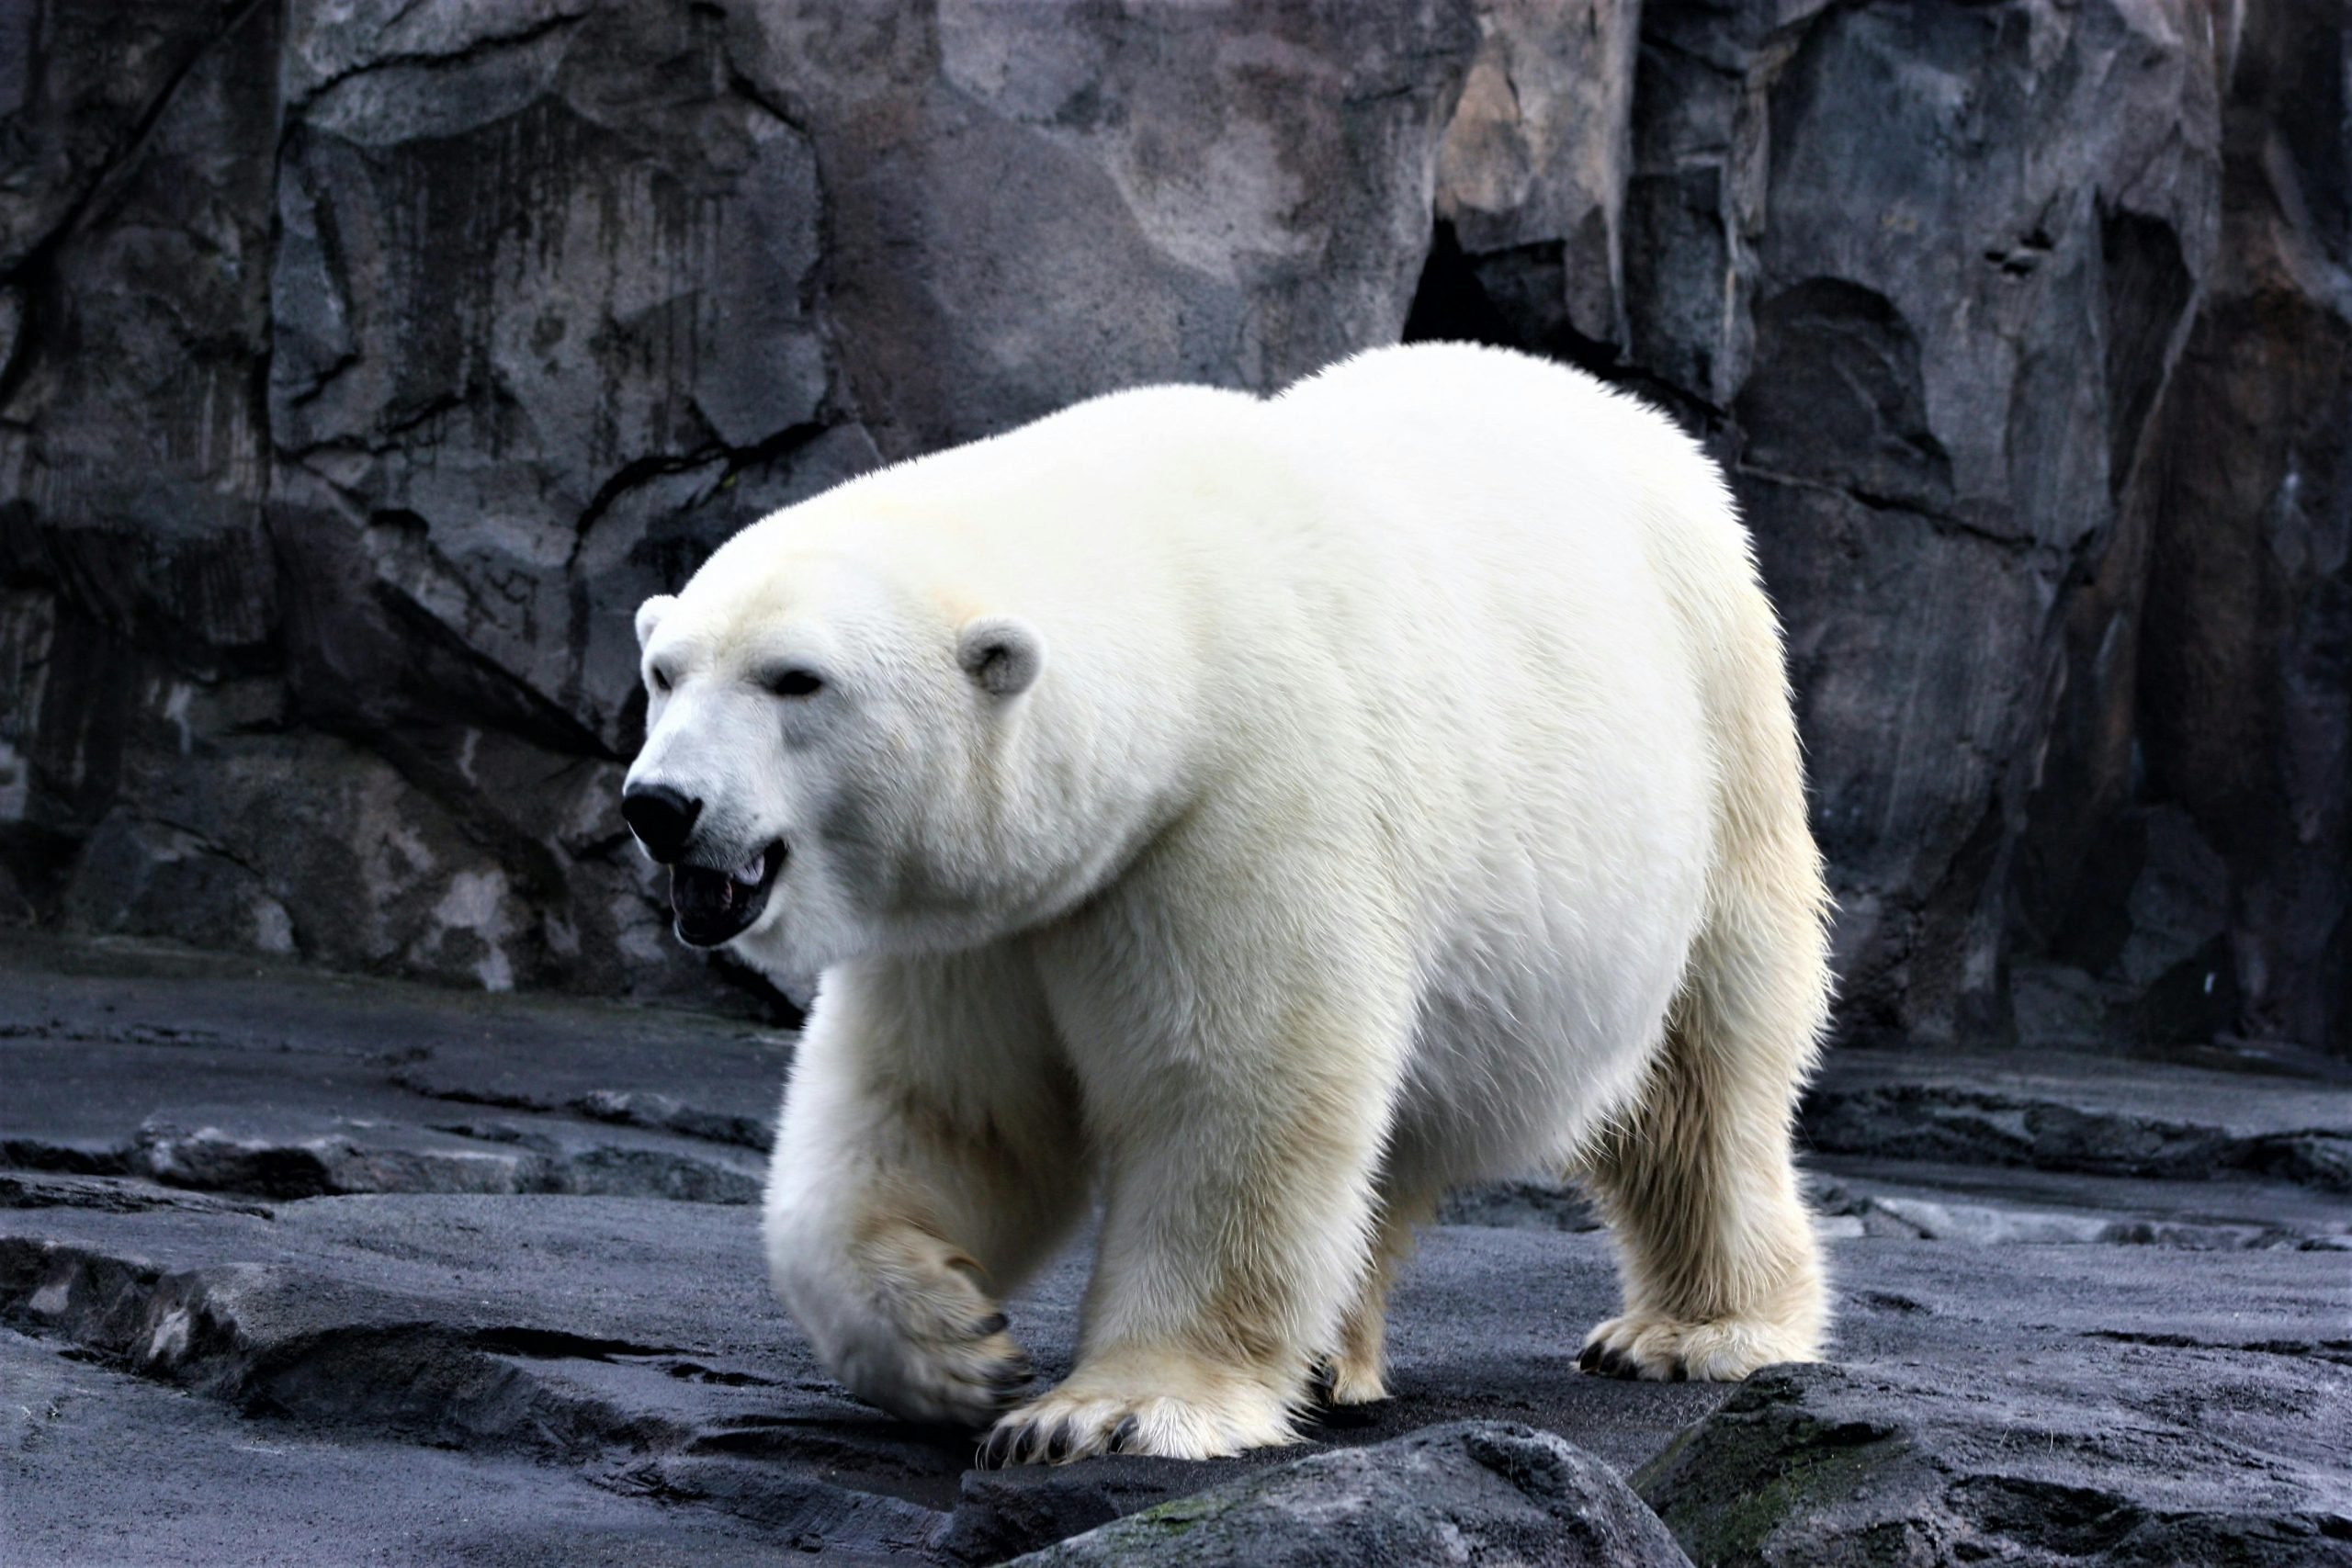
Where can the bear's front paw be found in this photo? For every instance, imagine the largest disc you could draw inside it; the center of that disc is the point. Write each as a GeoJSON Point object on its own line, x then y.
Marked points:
{"type": "Point", "coordinates": [923, 1340]}
{"type": "Point", "coordinates": [1190, 1414]}
{"type": "Point", "coordinates": [1665, 1349]}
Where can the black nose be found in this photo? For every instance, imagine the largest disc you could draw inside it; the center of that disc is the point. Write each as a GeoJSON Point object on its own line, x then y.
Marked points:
{"type": "Point", "coordinates": [660, 817]}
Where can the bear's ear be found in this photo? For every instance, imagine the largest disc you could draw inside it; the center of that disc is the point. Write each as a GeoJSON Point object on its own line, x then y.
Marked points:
{"type": "Point", "coordinates": [650, 613]}
{"type": "Point", "coordinates": [1004, 653]}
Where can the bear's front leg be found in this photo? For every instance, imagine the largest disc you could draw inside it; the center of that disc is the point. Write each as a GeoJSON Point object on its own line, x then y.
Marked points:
{"type": "Point", "coordinates": [926, 1160]}
{"type": "Point", "coordinates": [1238, 1092]}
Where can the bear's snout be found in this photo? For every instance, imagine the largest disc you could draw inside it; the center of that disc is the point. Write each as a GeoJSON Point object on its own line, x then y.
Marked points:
{"type": "Point", "coordinates": [662, 817]}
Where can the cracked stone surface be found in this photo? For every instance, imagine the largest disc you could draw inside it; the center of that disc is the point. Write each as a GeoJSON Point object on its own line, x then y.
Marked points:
{"type": "Point", "coordinates": [1470, 1492]}
{"type": "Point", "coordinates": [364, 362]}
{"type": "Point", "coordinates": [216, 1487]}
{"type": "Point", "coordinates": [477, 1278]}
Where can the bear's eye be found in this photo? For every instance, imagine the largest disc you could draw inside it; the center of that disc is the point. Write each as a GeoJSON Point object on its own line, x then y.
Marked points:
{"type": "Point", "coordinates": [794, 682]}
{"type": "Point", "coordinates": [659, 678]}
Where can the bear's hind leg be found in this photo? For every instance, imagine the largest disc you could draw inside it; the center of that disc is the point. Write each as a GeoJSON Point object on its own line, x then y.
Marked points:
{"type": "Point", "coordinates": [1357, 1371]}
{"type": "Point", "coordinates": [1722, 1270]}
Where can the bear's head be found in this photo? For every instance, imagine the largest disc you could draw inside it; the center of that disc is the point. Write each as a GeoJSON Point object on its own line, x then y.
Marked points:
{"type": "Point", "coordinates": [821, 741]}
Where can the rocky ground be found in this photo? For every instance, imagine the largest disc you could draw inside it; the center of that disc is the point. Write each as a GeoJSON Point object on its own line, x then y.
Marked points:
{"type": "Point", "coordinates": [300, 1268]}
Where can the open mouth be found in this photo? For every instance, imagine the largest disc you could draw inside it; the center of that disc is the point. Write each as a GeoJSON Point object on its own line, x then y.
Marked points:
{"type": "Point", "coordinates": [716, 903]}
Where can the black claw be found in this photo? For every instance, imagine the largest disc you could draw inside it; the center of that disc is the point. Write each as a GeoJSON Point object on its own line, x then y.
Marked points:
{"type": "Point", "coordinates": [997, 1452]}
{"type": "Point", "coordinates": [1680, 1374]}
{"type": "Point", "coordinates": [1057, 1445]}
{"type": "Point", "coordinates": [1611, 1362]}
{"type": "Point", "coordinates": [1121, 1436]}
{"type": "Point", "coordinates": [995, 1323]}
{"type": "Point", "coordinates": [1322, 1380]}
{"type": "Point", "coordinates": [1590, 1360]}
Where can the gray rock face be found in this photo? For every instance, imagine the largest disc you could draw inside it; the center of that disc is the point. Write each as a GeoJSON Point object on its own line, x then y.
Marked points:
{"type": "Point", "coordinates": [362, 364]}
{"type": "Point", "coordinates": [457, 331]}
{"type": "Point", "coordinates": [287, 1260]}
{"type": "Point", "coordinates": [2242, 718]}
{"type": "Point", "coordinates": [1028, 205]}
{"type": "Point", "coordinates": [1924, 272]}
{"type": "Point", "coordinates": [1531, 173]}
{"type": "Point", "coordinates": [541, 286]}
{"type": "Point", "coordinates": [1931, 281]}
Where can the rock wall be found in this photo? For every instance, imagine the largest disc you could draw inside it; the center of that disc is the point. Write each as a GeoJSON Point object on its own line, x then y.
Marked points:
{"type": "Point", "coordinates": [362, 362]}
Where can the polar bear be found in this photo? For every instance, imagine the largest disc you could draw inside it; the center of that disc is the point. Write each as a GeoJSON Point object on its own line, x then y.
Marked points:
{"type": "Point", "coordinates": [1251, 816]}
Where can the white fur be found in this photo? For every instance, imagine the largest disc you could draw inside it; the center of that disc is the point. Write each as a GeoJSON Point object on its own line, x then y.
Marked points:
{"type": "Point", "coordinates": [1389, 784]}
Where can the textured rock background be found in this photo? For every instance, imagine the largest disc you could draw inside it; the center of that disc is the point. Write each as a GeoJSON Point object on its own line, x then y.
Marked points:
{"type": "Point", "coordinates": [363, 362]}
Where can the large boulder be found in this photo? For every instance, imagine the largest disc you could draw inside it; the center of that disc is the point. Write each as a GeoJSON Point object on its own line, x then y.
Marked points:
{"type": "Point", "coordinates": [1475, 1492]}
{"type": "Point", "coordinates": [2076, 1463]}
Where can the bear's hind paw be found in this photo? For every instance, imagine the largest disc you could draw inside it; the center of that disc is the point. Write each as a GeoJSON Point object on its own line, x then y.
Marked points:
{"type": "Point", "coordinates": [1345, 1381]}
